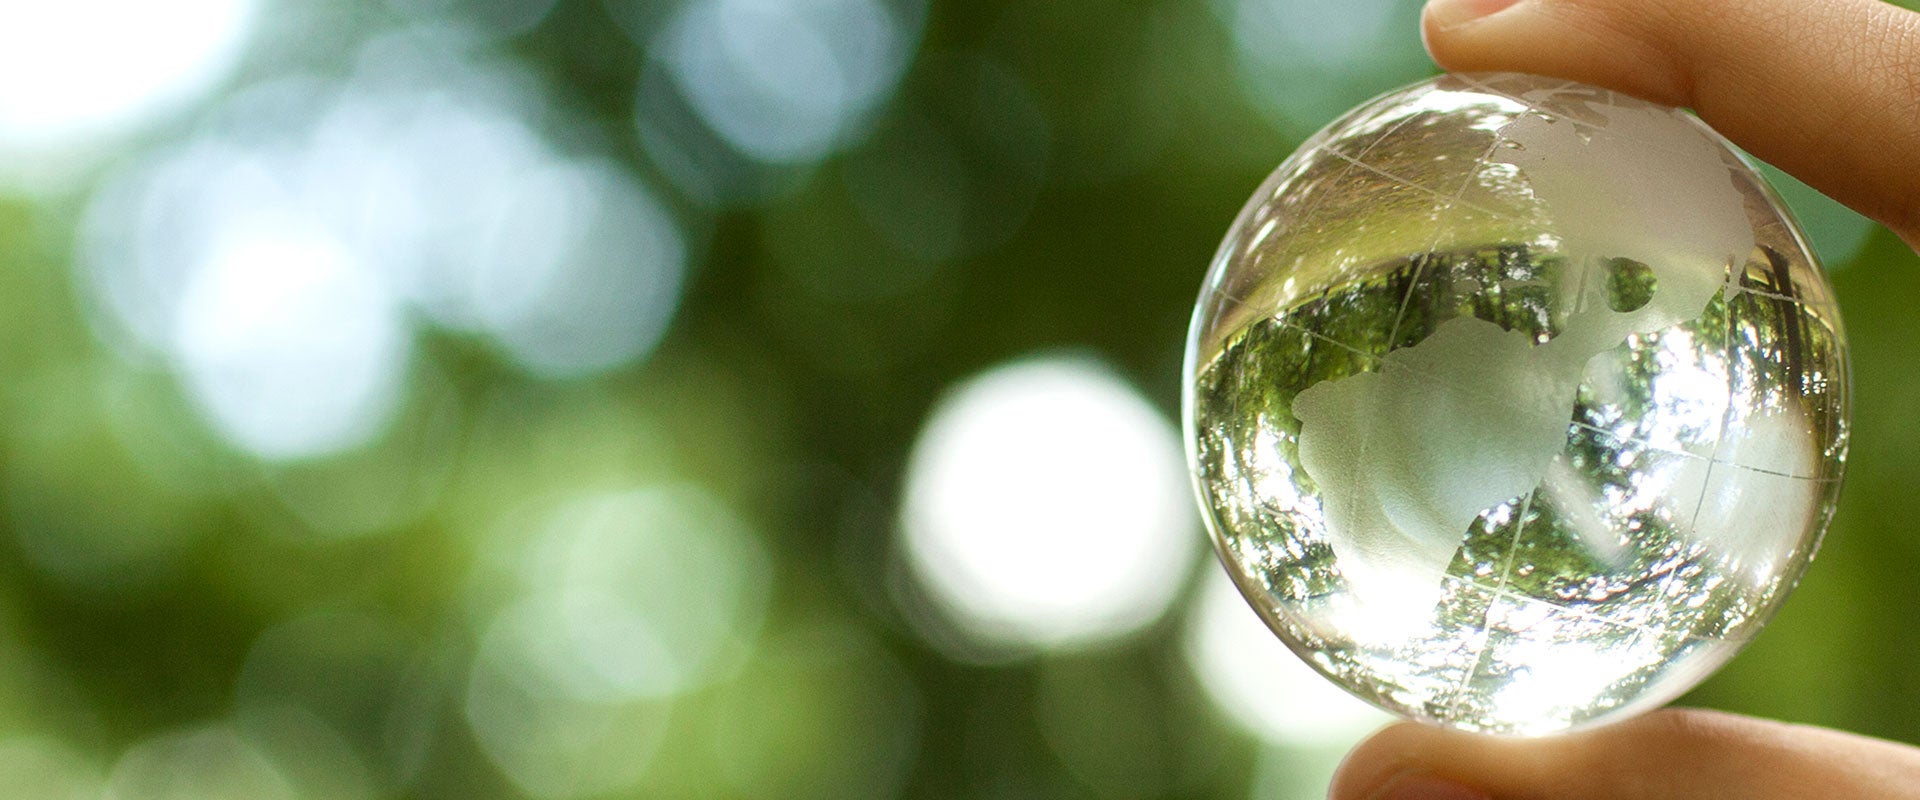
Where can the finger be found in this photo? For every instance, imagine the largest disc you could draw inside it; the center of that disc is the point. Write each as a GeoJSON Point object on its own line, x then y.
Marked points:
{"type": "Point", "coordinates": [1676, 754]}
{"type": "Point", "coordinates": [1828, 90]}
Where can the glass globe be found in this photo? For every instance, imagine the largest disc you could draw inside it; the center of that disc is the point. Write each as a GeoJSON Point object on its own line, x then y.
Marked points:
{"type": "Point", "coordinates": [1516, 404]}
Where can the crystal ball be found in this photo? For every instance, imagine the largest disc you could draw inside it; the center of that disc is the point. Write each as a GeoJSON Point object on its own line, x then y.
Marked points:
{"type": "Point", "coordinates": [1515, 404]}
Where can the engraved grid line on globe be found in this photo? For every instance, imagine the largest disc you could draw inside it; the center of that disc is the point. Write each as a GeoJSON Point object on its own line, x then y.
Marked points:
{"type": "Point", "coordinates": [1458, 695]}
{"type": "Point", "coordinates": [1309, 211]}
{"type": "Point", "coordinates": [1580, 613]}
{"type": "Point", "coordinates": [1412, 184]}
{"type": "Point", "coordinates": [1725, 423]}
{"type": "Point", "coordinates": [1454, 199]}
{"type": "Point", "coordinates": [1442, 218]}
{"type": "Point", "coordinates": [1689, 469]}
{"type": "Point", "coordinates": [1531, 108]}
{"type": "Point", "coordinates": [1451, 200]}
{"type": "Point", "coordinates": [1829, 307]}
{"type": "Point", "coordinates": [1372, 357]}
{"type": "Point", "coordinates": [1673, 451]}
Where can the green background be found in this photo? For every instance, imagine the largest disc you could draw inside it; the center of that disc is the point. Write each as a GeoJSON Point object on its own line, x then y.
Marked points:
{"type": "Point", "coordinates": [158, 581]}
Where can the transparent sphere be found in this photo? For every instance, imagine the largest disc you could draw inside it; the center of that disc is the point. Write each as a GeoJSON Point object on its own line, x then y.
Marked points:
{"type": "Point", "coordinates": [1516, 404]}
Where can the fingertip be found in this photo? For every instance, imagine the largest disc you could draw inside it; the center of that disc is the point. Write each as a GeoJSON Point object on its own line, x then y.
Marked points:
{"type": "Point", "coordinates": [1440, 19]}
{"type": "Point", "coordinates": [1432, 38]}
{"type": "Point", "coordinates": [1823, 90]}
{"type": "Point", "coordinates": [1389, 758]}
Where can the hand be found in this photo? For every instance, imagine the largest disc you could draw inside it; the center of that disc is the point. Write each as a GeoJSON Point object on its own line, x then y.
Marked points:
{"type": "Point", "coordinates": [1675, 754]}
{"type": "Point", "coordinates": [1828, 90]}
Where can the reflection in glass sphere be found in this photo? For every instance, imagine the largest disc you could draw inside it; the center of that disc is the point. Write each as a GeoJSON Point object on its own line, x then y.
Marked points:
{"type": "Point", "coordinates": [1516, 404]}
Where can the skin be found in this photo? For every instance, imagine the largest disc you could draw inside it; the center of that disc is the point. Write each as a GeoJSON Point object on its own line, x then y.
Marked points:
{"type": "Point", "coordinates": [1828, 90]}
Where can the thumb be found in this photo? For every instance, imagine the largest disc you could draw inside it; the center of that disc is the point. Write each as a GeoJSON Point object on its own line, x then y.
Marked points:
{"type": "Point", "coordinates": [1828, 90]}
{"type": "Point", "coordinates": [1676, 754]}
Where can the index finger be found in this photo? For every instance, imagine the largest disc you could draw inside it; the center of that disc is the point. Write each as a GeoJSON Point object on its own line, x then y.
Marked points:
{"type": "Point", "coordinates": [1828, 90]}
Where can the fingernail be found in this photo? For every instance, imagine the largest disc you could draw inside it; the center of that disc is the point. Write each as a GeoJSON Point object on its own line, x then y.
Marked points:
{"type": "Point", "coordinates": [1444, 14]}
{"type": "Point", "coordinates": [1418, 786]}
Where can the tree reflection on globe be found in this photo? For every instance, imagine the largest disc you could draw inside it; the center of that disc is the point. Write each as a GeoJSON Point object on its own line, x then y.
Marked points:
{"type": "Point", "coordinates": [1516, 404]}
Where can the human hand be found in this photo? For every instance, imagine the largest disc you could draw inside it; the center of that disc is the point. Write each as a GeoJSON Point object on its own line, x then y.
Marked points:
{"type": "Point", "coordinates": [1674, 754]}
{"type": "Point", "coordinates": [1828, 90]}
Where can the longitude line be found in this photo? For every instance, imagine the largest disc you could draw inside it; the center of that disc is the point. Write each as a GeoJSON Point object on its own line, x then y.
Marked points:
{"type": "Point", "coordinates": [1509, 594]}
{"type": "Point", "coordinates": [1419, 270]}
{"type": "Point", "coordinates": [1506, 571]}
{"type": "Point", "coordinates": [1726, 422]}
{"type": "Point", "coordinates": [1308, 212]}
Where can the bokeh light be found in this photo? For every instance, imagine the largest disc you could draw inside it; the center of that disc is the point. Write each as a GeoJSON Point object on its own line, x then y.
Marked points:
{"type": "Point", "coordinates": [43, 768]}
{"type": "Point", "coordinates": [1304, 62]}
{"type": "Point", "coordinates": [496, 18]}
{"type": "Point", "coordinates": [785, 82]}
{"type": "Point", "coordinates": [550, 742]}
{"type": "Point", "coordinates": [738, 92]}
{"type": "Point", "coordinates": [624, 600]}
{"type": "Point", "coordinates": [610, 399]}
{"type": "Point", "coordinates": [74, 73]}
{"type": "Point", "coordinates": [1260, 684]}
{"type": "Point", "coordinates": [957, 168]}
{"type": "Point", "coordinates": [1046, 505]}
{"type": "Point", "coordinates": [1306, 721]}
{"type": "Point", "coordinates": [289, 345]}
{"type": "Point", "coordinates": [69, 453]}
{"type": "Point", "coordinates": [276, 261]}
{"type": "Point", "coordinates": [212, 762]}
{"type": "Point", "coordinates": [351, 690]}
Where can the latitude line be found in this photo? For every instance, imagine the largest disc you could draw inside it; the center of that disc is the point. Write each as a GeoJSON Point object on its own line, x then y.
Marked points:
{"type": "Point", "coordinates": [1327, 147]}
{"type": "Point", "coordinates": [1416, 186]}
{"type": "Point", "coordinates": [1651, 445]}
{"type": "Point", "coordinates": [1588, 615]}
{"type": "Point", "coordinates": [1459, 193]}
{"type": "Point", "coordinates": [1726, 421]}
{"type": "Point", "coordinates": [1740, 289]}
{"type": "Point", "coordinates": [1611, 435]}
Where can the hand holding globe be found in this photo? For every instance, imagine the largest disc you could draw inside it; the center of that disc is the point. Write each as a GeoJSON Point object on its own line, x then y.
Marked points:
{"type": "Point", "coordinates": [1826, 91]}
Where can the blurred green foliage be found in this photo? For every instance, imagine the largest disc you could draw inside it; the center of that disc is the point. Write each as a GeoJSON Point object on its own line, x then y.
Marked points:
{"type": "Point", "coordinates": [324, 617]}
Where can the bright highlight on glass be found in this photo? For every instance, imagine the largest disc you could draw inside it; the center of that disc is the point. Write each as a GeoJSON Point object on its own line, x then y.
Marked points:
{"type": "Point", "coordinates": [1516, 404]}
{"type": "Point", "coordinates": [1045, 506]}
